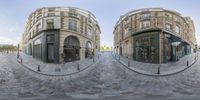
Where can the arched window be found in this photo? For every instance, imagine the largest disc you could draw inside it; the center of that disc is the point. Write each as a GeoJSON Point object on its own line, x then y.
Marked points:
{"type": "Point", "coordinates": [71, 49]}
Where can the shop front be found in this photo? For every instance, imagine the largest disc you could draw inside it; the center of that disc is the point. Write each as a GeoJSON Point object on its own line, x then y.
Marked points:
{"type": "Point", "coordinates": [174, 48]}
{"type": "Point", "coordinates": [146, 47]}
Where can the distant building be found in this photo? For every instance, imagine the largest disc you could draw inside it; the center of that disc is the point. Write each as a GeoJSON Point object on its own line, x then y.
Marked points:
{"type": "Point", "coordinates": [106, 48]}
{"type": "Point", "coordinates": [57, 34]}
{"type": "Point", "coordinates": [154, 35]}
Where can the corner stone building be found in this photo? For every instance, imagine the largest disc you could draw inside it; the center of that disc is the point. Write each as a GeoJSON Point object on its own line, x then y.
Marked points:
{"type": "Point", "coordinates": [57, 34]}
{"type": "Point", "coordinates": [154, 35]}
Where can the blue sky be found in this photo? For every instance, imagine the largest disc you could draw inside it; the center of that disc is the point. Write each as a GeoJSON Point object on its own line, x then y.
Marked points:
{"type": "Point", "coordinates": [14, 13]}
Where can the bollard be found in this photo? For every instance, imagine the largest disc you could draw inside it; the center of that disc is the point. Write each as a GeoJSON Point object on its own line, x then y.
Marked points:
{"type": "Point", "coordinates": [128, 63]}
{"type": "Point", "coordinates": [158, 69]}
{"type": "Point", "coordinates": [78, 68]}
{"type": "Point", "coordinates": [38, 68]}
{"type": "Point", "coordinates": [187, 63]}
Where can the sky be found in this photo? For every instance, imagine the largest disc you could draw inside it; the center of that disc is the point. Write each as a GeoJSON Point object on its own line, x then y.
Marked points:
{"type": "Point", "coordinates": [14, 13]}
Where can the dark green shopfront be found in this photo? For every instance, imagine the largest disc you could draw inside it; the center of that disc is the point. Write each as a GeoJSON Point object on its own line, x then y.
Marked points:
{"type": "Point", "coordinates": [147, 45]}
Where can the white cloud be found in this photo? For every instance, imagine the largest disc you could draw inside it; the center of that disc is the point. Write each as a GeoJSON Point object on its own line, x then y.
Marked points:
{"type": "Point", "coordinates": [9, 31]}
{"type": "Point", "coordinates": [5, 40]}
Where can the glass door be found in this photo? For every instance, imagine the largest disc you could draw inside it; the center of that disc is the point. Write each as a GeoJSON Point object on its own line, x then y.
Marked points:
{"type": "Point", "coordinates": [146, 49]}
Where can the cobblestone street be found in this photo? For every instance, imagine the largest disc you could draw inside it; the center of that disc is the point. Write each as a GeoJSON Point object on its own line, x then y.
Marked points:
{"type": "Point", "coordinates": [106, 80]}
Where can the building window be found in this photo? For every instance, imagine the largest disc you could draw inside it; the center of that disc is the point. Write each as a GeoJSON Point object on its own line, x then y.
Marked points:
{"type": "Point", "coordinates": [167, 15]}
{"type": "Point", "coordinates": [144, 24]}
{"type": "Point", "coordinates": [90, 31]}
{"type": "Point", "coordinates": [40, 12]}
{"type": "Point", "coordinates": [126, 25]}
{"type": "Point", "coordinates": [39, 17]}
{"type": "Point", "coordinates": [51, 9]}
{"type": "Point", "coordinates": [63, 13]}
{"type": "Point", "coordinates": [168, 27]}
{"type": "Point", "coordinates": [177, 29]}
{"type": "Point", "coordinates": [72, 25]}
{"type": "Point", "coordinates": [90, 20]}
{"type": "Point", "coordinates": [38, 27]}
{"type": "Point", "coordinates": [126, 31]}
{"type": "Point", "coordinates": [146, 16]}
{"type": "Point", "coordinates": [72, 13]}
{"type": "Point", "coordinates": [29, 36]}
{"type": "Point", "coordinates": [50, 24]}
{"type": "Point", "coordinates": [33, 32]}
{"type": "Point", "coordinates": [51, 14]}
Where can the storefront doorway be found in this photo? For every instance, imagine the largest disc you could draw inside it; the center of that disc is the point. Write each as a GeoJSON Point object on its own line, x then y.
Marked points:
{"type": "Point", "coordinates": [71, 49]}
{"type": "Point", "coordinates": [147, 48]}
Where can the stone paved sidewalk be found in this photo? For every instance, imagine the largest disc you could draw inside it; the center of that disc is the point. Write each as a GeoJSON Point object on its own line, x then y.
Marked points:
{"type": "Point", "coordinates": [152, 69]}
{"type": "Point", "coordinates": [55, 69]}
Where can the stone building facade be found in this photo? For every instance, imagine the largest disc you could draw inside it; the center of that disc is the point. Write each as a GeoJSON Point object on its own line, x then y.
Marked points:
{"type": "Point", "coordinates": [57, 34]}
{"type": "Point", "coordinates": [154, 35]}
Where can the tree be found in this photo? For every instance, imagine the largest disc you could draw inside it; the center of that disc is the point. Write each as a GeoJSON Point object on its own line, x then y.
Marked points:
{"type": "Point", "coordinates": [7, 48]}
